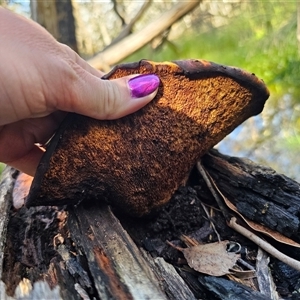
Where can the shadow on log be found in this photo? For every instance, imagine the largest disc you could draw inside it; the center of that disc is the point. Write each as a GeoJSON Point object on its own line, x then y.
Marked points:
{"type": "Point", "coordinates": [85, 252]}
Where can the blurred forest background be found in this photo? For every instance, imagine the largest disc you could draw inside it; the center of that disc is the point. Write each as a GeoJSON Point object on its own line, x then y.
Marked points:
{"type": "Point", "coordinates": [262, 37]}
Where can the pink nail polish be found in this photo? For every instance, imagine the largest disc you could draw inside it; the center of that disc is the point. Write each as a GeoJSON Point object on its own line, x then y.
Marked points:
{"type": "Point", "coordinates": [143, 85]}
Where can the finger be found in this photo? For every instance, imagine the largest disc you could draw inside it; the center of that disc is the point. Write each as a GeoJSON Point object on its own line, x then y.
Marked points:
{"type": "Point", "coordinates": [81, 62]}
{"type": "Point", "coordinates": [29, 162]}
{"type": "Point", "coordinates": [110, 99]}
{"type": "Point", "coordinates": [17, 140]}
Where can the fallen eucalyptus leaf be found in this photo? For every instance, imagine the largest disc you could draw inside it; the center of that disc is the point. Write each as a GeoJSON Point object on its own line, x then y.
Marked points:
{"type": "Point", "coordinates": [212, 259]}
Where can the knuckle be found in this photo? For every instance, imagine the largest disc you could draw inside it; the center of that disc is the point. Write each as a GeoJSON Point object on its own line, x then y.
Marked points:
{"type": "Point", "coordinates": [110, 100]}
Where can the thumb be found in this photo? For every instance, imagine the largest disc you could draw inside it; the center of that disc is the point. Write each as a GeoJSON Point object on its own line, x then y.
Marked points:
{"type": "Point", "coordinates": [112, 99]}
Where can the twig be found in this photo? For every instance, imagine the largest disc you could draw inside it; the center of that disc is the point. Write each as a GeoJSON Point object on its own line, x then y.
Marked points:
{"type": "Point", "coordinates": [115, 7]}
{"type": "Point", "coordinates": [127, 28]}
{"type": "Point", "coordinates": [213, 191]}
{"type": "Point", "coordinates": [174, 246]}
{"type": "Point", "coordinates": [245, 264]}
{"type": "Point", "coordinates": [264, 245]}
{"type": "Point", "coordinates": [211, 222]}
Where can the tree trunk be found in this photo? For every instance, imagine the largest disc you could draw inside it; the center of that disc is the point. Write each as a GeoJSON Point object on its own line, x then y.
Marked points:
{"type": "Point", "coordinates": [57, 17]}
{"type": "Point", "coordinates": [85, 252]}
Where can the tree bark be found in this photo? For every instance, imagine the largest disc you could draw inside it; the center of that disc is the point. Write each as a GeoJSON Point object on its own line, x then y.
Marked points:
{"type": "Point", "coordinates": [258, 192]}
{"type": "Point", "coordinates": [57, 17]}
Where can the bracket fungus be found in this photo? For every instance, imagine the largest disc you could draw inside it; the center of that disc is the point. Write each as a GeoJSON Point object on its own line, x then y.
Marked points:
{"type": "Point", "coordinates": [135, 163]}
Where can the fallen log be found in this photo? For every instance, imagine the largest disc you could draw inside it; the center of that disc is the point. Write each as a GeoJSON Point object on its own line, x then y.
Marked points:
{"type": "Point", "coordinates": [90, 251]}
{"type": "Point", "coordinates": [258, 192]}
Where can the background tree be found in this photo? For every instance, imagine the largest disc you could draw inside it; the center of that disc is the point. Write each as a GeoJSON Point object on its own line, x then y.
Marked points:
{"type": "Point", "coordinates": [258, 36]}
{"type": "Point", "coordinates": [57, 17]}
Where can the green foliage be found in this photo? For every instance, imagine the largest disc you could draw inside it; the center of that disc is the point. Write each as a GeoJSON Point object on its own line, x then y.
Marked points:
{"type": "Point", "coordinates": [2, 166]}
{"type": "Point", "coordinates": [260, 37]}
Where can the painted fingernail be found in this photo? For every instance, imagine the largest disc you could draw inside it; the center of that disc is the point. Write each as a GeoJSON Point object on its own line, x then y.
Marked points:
{"type": "Point", "coordinates": [143, 85]}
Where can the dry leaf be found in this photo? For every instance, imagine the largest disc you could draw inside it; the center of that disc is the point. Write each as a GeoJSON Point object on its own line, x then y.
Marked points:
{"type": "Point", "coordinates": [243, 274]}
{"type": "Point", "coordinates": [212, 259]}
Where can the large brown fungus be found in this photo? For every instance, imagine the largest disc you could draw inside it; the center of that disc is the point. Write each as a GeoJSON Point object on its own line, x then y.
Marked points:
{"type": "Point", "coordinates": [137, 162]}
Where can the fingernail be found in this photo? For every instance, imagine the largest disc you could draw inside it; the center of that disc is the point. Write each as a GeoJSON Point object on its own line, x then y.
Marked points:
{"type": "Point", "coordinates": [143, 85]}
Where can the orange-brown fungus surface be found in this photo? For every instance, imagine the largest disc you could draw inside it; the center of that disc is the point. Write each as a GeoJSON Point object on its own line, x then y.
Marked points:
{"type": "Point", "coordinates": [137, 162]}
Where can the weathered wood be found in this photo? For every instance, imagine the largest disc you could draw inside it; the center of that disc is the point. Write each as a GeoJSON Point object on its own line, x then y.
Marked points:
{"type": "Point", "coordinates": [113, 258]}
{"type": "Point", "coordinates": [264, 277]}
{"type": "Point", "coordinates": [259, 193]}
{"type": "Point", "coordinates": [6, 188]}
{"type": "Point", "coordinates": [53, 253]}
{"type": "Point", "coordinates": [31, 267]}
{"type": "Point", "coordinates": [228, 290]}
{"type": "Point", "coordinates": [174, 285]}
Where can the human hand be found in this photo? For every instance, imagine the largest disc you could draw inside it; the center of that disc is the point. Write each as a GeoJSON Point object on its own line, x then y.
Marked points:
{"type": "Point", "coordinates": [41, 80]}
